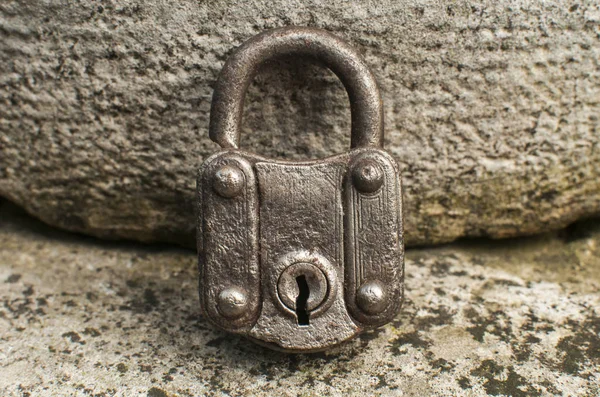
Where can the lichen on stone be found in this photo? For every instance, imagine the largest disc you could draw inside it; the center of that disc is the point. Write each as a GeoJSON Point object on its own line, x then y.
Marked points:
{"type": "Point", "coordinates": [84, 317]}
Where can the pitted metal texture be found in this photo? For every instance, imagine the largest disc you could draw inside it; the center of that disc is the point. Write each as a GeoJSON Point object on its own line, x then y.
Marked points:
{"type": "Point", "coordinates": [299, 255]}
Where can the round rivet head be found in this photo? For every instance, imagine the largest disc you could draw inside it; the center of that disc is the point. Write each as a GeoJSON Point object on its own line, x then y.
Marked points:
{"type": "Point", "coordinates": [371, 297]}
{"type": "Point", "coordinates": [228, 181]}
{"type": "Point", "coordinates": [367, 176]}
{"type": "Point", "coordinates": [232, 302]}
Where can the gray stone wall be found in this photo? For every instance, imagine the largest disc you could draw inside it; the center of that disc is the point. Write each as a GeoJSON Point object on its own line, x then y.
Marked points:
{"type": "Point", "coordinates": [491, 108]}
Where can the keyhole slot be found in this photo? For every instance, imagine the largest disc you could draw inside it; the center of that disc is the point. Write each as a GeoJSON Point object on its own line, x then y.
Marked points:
{"type": "Point", "coordinates": [301, 301]}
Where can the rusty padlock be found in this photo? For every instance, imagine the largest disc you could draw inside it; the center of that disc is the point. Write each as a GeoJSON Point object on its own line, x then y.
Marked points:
{"type": "Point", "coordinates": [299, 255]}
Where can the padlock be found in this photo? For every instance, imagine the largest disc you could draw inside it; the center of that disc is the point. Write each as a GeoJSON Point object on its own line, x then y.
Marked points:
{"type": "Point", "coordinates": [299, 255]}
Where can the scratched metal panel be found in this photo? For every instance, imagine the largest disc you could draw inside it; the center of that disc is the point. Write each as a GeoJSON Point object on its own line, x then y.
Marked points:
{"type": "Point", "coordinates": [373, 239]}
{"type": "Point", "coordinates": [301, 209]}
{"type": "Point", "coordinates": [230, 253]}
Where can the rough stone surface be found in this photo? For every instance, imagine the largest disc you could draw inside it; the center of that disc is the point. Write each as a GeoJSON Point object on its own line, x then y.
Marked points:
{"type": "Point", "coordinates": [491, 108]}
{"type": "Point", "coordinates": [79, 317]}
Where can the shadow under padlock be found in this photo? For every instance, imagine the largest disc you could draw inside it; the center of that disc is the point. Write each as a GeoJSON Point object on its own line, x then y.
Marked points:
{"type": "Point", "coordinates": [299, 255]}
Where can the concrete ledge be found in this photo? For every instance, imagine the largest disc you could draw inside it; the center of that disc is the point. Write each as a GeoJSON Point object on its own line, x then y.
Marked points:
{"type": "Point", "coordinates": [83, 317]}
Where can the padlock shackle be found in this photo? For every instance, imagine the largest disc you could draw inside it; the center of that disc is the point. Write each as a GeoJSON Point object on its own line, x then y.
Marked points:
{"type": "Point", "coordinates": [239, 70]}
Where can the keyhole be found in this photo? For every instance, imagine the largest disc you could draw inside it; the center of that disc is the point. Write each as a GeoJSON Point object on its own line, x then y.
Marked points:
{"type": "Point", "coordinates": [301, 300]}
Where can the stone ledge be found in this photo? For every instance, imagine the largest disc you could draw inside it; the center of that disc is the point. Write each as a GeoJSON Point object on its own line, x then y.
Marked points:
{"type": "Point", "coordinates": [85, 317]}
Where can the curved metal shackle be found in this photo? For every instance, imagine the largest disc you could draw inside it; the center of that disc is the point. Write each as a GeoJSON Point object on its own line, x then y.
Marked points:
{"type": "Point", "coordinates": [239, 70]}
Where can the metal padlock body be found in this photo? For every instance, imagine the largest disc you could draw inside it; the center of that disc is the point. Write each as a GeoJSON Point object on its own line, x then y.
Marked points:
{"type": "Point", "coordinates": [299, 256]}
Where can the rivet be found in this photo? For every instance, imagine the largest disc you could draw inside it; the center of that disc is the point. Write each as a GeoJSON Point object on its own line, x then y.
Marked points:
{"type": "Point", "coordinates": [232, 302]}
{"type": "Point", "coordinates": [367, 176]}
{"type": "Point", "coordinates": [371, 297]}
{"type": "Point", "coordinates": [228, 181]}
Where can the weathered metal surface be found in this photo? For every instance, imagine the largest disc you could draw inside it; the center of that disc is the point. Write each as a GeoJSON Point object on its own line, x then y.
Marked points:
{"type": "Point", "coordinates": [373, 238]}
{"type": "Point", "coordinates": [230, 237]}
{"type": "Point", "coordinates": [300, 256]}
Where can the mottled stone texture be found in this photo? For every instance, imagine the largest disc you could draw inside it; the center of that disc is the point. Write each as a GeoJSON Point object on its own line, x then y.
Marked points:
{"type": "Point", "coordinates": [83, 318]}
{"type": "Point", "coordinates": [491, 107]}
